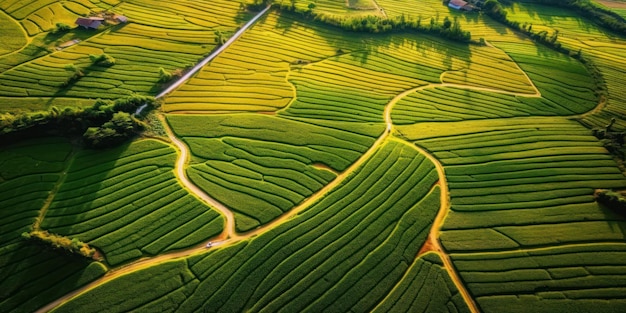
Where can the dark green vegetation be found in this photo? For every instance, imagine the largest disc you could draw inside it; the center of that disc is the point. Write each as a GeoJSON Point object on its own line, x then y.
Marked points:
{"type": "Point", "coordinates": [107, 123]}
{"type": "Point", "coordinates": [33, 275]}
{"type": "Point", "coordinates": [450, 29]}
{"type": "Point", "coordinates": [361, 239]}
{"type": "Point", "coordinates": [262, 166]}
{"type": "Point", "coordinates": [107, 200]}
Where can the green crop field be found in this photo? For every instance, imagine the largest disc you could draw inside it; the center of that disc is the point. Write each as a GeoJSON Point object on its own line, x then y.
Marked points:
{"type": "Point", "coordinates": [261, 166]}
{"type": "Point", "coordinates": [384, 220]}
{"type": "Point", "coordinates": [106, 200]}
{"type": "Point", "coordinates": [33, 276]}
{"type": "Point", "coordinates": [325, 155]}
{"type": "Point", "coordinates": [523, 217]}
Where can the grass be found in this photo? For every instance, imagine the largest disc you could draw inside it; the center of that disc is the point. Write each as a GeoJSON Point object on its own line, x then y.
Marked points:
{"type": "Point", "coordinates": [107, 201]}
{"type": "Point", "coordinates": [32, 275]}
{"type": "Point", "coordinates": [361, 240]}
{"type": "Point", "coordinates": [261, 166]}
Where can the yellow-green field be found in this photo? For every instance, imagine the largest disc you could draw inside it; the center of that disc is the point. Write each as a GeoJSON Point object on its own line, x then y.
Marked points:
{"type": "Point", "coordinates": [308, 167]}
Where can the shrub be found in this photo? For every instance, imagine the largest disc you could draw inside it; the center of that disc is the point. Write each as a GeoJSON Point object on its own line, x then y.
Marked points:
{"type": "Point", "coordinates": [102, 59]}
{"type": "Point", "coordinates": [61, 242]}
{"type": "Point", "coordinates": [61, 28]}
{"type": "Point", "coordinates": [611, 199]}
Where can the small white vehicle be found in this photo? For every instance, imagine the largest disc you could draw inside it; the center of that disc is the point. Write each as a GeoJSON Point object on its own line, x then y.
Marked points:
{"type": "Point", "coordinates": [209, 245]}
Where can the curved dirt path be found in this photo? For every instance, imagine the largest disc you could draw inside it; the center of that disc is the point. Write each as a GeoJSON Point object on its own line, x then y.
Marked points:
{"type": "Point", "coordinates": [183, 157]}
{"type": "Point", "coordinates": [230, 236]}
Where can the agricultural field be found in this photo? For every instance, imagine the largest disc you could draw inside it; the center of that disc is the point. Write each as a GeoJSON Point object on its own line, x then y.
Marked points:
{"type": "Point", "coordinates": [170, 37]}
{"type": "Point", "coordinates": [33, 275]}
{"type": "Point", "coordinates": [563, 87]}
{"type": "Point", "coordinates": [512, 184]}
{"type": "Point", "coordinates": [107, 200]}
{"type": "Point", "coordinates": [296, 164]}
{"type": "Point", "coordinates": [261, 166]}
{"type": "Point", "coordinates": [603, 47]}
{"type": "Point", "coordinates": [384, 220]}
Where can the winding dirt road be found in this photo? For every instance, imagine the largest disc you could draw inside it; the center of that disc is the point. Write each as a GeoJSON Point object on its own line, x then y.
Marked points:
{"type": "Point", "coordinates": [229, 235]}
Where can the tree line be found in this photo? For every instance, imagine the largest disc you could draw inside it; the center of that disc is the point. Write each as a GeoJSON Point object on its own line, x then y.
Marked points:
{"type": "Point", "coordinates": [450, 29]}
{"type": "Point", "coordinates": [105, 124]}
{"type": "Point", "coordinates": [598, 14]}
{"type": "Point", "coordinates": [494, 9]}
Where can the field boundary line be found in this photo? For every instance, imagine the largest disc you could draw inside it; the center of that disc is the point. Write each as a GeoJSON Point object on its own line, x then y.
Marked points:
{"type": "Point", "coordinates": [55, 190]}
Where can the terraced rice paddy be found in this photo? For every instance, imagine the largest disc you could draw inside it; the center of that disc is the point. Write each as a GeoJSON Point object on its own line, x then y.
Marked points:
{"type": "Point", "coordinates": [33, 276]}
{"type": "Point", "coordinates": [108, 200]}
{"type": "Point", "coordinates": [40, 16]}
{"type": "Point", "coordinates": [563, 84]}
{"type": "Point", "coordinates": [262, 166]}
{"type": "Point", "coordinates": [172, 37]}
{"type": "Point", "coordinates": [383, 219]}
{"type": "Point", "coordinates": [361, 172]}
{"type": "Point", "coordinates": [579, 34]}
{"type": "Point", "coordinates": [523, 221]}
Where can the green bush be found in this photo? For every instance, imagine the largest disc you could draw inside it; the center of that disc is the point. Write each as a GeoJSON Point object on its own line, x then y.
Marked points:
{"type": "Point", "coordinates": [611, 199]}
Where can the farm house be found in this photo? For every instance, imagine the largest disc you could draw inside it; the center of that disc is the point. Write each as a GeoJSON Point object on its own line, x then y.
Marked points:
{"type": "Point", "coordinates": [89, 22]}
{"type": "Point", "coordinates": [459, 5]}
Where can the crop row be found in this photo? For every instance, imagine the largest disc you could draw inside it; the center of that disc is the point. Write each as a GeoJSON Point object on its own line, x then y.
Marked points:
{"type": "Point", "coordinates": [107, 200]}
{"type": "Point", "coordinates": [587, 277]}
{"type": "Point", "coordinates": [33, 276]}
{"type": "Point", "coordinates": [140, 49]}
{"type": "Point", "coordinates": [425, 288]}
{"type": "Point", "coordinates": [262, 166]}
{"type": "Point", "coordinates": [527, 185]}
{"type": "Point", "coordinates": [347, 252]}
{"type": "Point", "coordinates": [251, 75]}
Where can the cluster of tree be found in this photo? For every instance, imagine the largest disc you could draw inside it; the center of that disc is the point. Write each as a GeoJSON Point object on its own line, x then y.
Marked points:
{"type": "Point", "coordinates": [165, 76]}
{"type": "Point", "coordinates": [102, 59]}
{"type": "Point", "coordinates": [598, 14]}
{"type": "Point", "coordinates": [611, 199]}
{"type": "Point", "coordinates": [450, 29]}
{"type": "Point", "coordinates": [60, 28]}
{"type": "Point", "coordinates": [74, 121]}
{"type": "Point", "coordinates": [75, 74]}
{"type": "Point", "coordinates": [74, 245]}
{"type": "Point", "coordinates": [612, 140]}
{"type": "Point", "coordinates": [120, 128]}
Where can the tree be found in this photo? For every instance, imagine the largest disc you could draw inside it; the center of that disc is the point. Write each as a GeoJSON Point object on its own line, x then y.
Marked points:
{"type": "Point", "coordinates": [164, 76]}
{"type": "Point", "coordinates": [61, 28]}
{"type": "Point", "coordinates": [102, 59]}
{"type": "Point", "coordinates": [446, 23]}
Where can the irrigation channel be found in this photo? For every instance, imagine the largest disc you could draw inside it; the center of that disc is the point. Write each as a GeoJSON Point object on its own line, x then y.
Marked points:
{"type": "Point", "coordinates": [229, 236]}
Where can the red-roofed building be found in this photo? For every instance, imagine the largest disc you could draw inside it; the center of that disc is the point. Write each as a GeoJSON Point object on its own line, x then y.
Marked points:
{"type": "Point", "coordinates": [458, 4]}
{"type": "Point", "coordinates": [89, 22]}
